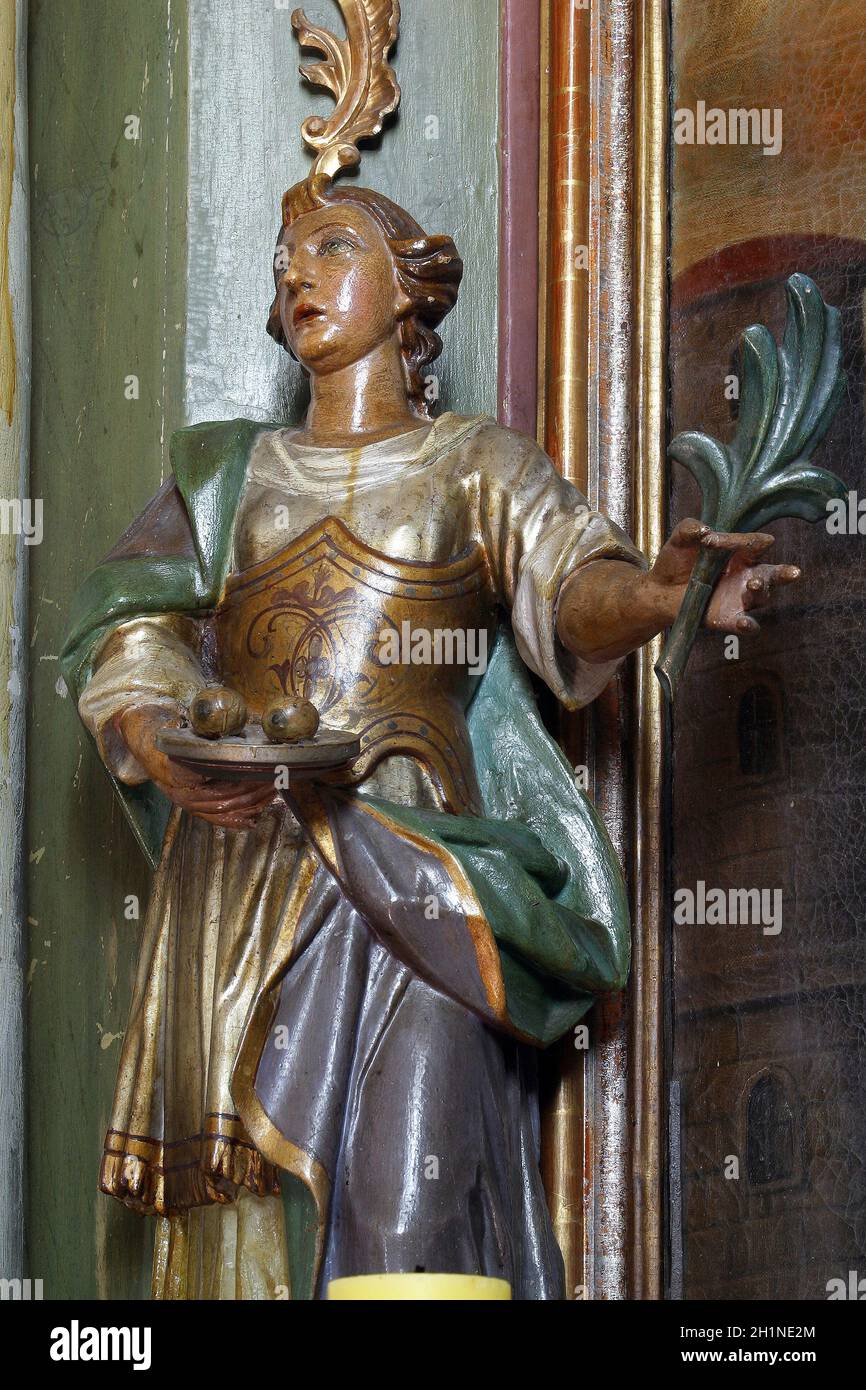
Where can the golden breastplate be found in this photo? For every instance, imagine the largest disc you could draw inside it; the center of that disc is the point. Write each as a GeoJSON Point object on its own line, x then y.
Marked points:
{"type": "Point", "coordinates": [382, 647]}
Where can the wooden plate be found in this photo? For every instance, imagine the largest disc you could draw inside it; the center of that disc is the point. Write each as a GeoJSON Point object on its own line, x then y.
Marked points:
{"type": "Point", "coordinates": [250, 754]}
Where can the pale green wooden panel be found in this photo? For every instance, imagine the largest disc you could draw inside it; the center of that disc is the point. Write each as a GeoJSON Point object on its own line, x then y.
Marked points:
{"type": "Point", "coordinates": [108, 251]}
{"type": "Point", "coordinates": [441, 165]}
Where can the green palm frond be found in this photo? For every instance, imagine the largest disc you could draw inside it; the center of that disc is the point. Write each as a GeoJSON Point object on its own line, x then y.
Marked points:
{"type": "Point", "coordinates": [788, 397]}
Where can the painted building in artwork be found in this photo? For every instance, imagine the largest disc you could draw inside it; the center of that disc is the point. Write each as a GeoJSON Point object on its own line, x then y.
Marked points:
{"type": "Point", "coordinates": [769, 1043]}
{"type": "Point", "coordinates": [770, 1046]}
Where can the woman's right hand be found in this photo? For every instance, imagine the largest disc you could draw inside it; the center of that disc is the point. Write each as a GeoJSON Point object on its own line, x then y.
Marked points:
{"type": "Point", "coordinates": [236, 805]}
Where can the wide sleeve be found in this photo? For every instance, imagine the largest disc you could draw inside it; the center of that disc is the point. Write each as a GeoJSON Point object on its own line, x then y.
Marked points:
{"type": "Point", "coordinates": [538, 530]}
{"type": "Point", "coordinates": [152, 660]}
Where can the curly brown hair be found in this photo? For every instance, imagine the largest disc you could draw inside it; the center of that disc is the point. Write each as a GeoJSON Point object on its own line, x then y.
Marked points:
{"type": "Point", "coordinates": [429, 270]}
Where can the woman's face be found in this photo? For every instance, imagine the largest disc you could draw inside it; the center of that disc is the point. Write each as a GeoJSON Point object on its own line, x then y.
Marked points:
{"type": "Point", "coordinates": [337, 291]}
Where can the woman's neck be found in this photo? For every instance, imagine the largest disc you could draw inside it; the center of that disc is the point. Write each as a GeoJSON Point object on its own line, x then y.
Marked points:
{"type": "Point", "coordinates": [364, 402]}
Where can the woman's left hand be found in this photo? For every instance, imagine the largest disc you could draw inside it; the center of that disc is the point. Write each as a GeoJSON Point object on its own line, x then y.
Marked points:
{"type": "Point", "coordinates": [608, 608]}
{"type": "Point", "coordinates": [745, 585]}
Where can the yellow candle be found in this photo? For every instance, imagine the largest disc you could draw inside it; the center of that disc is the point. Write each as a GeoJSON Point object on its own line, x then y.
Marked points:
{"type": "Point", "coordinates": [425, 1287]}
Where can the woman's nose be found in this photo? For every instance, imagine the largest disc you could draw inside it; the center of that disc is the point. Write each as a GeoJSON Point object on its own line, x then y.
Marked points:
{"type": "Point", "coordinates": [297, 277]}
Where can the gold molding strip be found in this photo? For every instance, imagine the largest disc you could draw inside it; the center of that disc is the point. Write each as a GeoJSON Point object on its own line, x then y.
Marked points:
{"type": "Point", "coordinates": [566, 279]}
{"type": "Point", "coordinates": [563, 417]}
{"type": "Point", "coordinates": [543, 195]}
{"type": "Point", "coordinates": [646, 1059]}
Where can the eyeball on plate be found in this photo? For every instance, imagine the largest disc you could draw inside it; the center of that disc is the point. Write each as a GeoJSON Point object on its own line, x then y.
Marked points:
{"type": "Point", "coordinates": [288, 720]}
{"type": "Point", "coordinates": [217, 710]}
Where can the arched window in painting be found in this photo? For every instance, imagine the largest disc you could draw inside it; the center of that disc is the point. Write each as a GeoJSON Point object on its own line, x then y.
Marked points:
{"type": "Point", "coordinates": [759, 731]}
{"type": "Point", "coordinates": [770, 1133]}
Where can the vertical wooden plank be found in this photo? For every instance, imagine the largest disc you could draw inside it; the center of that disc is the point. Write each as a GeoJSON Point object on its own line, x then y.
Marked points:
{"type": "Point", "coordinates": [108, 241]}
{"type": "Point", "coordinates": [246, 105]}
{"type": "Point", "coordinates": [14, 443]}
{"type": "Point", "coordinates": [519, 121]}
{"type": "Point", "coordinates": [441, 164]}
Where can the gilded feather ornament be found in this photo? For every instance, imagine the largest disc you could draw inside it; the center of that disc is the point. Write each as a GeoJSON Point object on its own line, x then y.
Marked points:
{"type": "Point", "coordinates": [356, 71]}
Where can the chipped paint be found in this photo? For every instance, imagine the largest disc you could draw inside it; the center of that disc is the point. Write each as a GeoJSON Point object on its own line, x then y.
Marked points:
{"type": "Point", "coordinates": [14, 445]}
{"type": "Point", "coordinates": [97, 458]}
{"type": "Point", "coordinates": [8, 359]}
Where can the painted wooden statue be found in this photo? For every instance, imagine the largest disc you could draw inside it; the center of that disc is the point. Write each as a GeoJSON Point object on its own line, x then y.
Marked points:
{"type": "Point", "coordinates": [346, 979]}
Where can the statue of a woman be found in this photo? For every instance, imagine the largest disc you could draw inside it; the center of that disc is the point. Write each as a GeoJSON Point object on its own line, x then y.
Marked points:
{"type": "Point", "coordinates": [348, 980]}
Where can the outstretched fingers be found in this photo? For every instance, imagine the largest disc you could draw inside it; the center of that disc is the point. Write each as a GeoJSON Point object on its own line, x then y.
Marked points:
{"type": "Point", "coordinates": [764, 579]}
{"type": "Point", "coordinates": [746, 546]}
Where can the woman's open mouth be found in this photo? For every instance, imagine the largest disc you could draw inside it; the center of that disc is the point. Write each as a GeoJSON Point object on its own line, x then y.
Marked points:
{"type": "Point", "coordinates": [305, 312]}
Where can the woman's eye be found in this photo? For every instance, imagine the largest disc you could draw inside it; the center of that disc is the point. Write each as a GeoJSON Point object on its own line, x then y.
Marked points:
{"type": "Point", "coordinates": [334, 245]}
